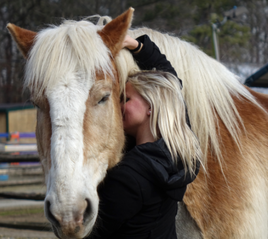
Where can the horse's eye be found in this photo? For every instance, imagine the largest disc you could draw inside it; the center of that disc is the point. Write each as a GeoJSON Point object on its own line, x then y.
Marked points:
{"type": "Point", "coordinates": [104, 99]}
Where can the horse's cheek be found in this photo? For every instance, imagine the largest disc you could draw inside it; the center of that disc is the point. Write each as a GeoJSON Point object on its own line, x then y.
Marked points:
{"type": "Point", "coordinates": [43, 135]}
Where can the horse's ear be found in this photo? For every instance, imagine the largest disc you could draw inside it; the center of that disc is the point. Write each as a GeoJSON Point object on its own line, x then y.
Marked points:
{"type": "Point", "coordinates": [24, 38]}
{"type": "Point", "coordinates": [113, 34]}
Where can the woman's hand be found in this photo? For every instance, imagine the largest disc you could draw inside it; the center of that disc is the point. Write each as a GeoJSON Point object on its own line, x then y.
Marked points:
{"type": "Point", "coordinates": [131, 43]}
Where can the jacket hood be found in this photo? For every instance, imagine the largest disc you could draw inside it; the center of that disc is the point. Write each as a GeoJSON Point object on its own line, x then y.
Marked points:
{"type": "Point", "coordinates": [154, 162]}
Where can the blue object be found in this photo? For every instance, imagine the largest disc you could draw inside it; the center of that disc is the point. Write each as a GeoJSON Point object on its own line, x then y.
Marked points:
{"type": "Point", "coordinates": [4, 177]}
{"type": "Point", "coordinates": [4, 135]}
{"type": "Point", "coordinates": [4, 165]}
{"type": "Point", "coordinates": [22, 135]}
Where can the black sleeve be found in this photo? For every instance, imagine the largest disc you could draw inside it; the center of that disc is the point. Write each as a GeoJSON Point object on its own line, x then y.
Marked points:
{"type": "Point", "coordinates": [150, 57]}
{"type": "Point", "coordinates": [120, 199]}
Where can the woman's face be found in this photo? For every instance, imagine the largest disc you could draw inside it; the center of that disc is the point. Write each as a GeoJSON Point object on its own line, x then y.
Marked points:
{"type": "Point", "coordinates": [136, 111]}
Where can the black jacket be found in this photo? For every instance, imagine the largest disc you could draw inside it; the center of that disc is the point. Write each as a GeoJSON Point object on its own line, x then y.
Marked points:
{"type": "Point", "coordinates": [150, 57]}
{"type": "Point", "coordinates": [138, 197]}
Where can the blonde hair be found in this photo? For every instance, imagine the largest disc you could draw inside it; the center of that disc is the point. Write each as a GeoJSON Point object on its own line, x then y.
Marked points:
{"type": "Point", "coordinates": [162, 91]}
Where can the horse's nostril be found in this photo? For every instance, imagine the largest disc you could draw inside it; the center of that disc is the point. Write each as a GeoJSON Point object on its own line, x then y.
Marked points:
{"type": "Point", "coordinates": [88, 211]}
{"type": "Point", "coordinates": [49, 215]}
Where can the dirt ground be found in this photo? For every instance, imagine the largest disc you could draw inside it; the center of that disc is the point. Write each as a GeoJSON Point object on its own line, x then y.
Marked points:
{"type": "Point", "coordinates": [30, 220]}
{"type": "Point", "coordinates": [21, 219]}
{"type": "Point", "coordinates": [9, 233]}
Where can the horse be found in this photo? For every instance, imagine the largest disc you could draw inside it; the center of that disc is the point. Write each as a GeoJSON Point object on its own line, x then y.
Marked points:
{"type": "Point", "coordinates": [76, 72]}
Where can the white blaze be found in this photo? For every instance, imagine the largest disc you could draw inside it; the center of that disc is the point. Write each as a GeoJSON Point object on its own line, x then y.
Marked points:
{"type": "Point", "coordinates": [68, 180]}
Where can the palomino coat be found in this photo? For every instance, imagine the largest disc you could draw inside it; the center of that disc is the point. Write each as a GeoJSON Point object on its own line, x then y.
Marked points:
{"type": "Point", "coordinates": [138, 197]}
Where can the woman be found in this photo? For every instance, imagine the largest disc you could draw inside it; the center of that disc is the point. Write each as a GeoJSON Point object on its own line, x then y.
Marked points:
{"type": "Point", "coordinates": [138, 198]}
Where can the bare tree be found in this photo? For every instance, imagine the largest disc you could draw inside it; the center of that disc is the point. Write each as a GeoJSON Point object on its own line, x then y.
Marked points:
{"type": "Point", "coordinates": [242, 41]}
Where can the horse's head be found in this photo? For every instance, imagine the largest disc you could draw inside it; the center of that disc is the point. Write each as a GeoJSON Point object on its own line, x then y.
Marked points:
{"type": "Point", "coordinates": [73, 82]}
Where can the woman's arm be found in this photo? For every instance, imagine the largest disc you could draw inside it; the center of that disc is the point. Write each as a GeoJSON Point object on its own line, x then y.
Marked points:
{"type": "Point", "coordinates": [132, 44]}
{"type": "Point", "coordinates": [148, 55]}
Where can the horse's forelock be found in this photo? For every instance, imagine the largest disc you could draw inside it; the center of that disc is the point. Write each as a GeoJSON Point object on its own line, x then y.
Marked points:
{"type": "Point", "coordinates": [69, 48]}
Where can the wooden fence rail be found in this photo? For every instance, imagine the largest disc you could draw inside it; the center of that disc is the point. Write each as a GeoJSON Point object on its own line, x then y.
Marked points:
{"type": "Point", "coordinates": [21, 175]}
{"type": "Point", "coordinates": [8, 158]}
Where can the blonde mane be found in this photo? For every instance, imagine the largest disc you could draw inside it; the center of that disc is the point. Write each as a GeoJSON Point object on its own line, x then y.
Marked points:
{"type": "Point", "coordinates": [208, 88]}
{"type": "Point", "coordinates": [73, 47]}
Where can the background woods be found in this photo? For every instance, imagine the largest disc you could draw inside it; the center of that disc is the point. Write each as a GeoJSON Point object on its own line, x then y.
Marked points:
{"type": "Point", "coordinates": [241, 40]}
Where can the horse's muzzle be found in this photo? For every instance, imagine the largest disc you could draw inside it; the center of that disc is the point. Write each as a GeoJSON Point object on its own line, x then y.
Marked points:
{"type": "Point", "coordinates": [72, 223]}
